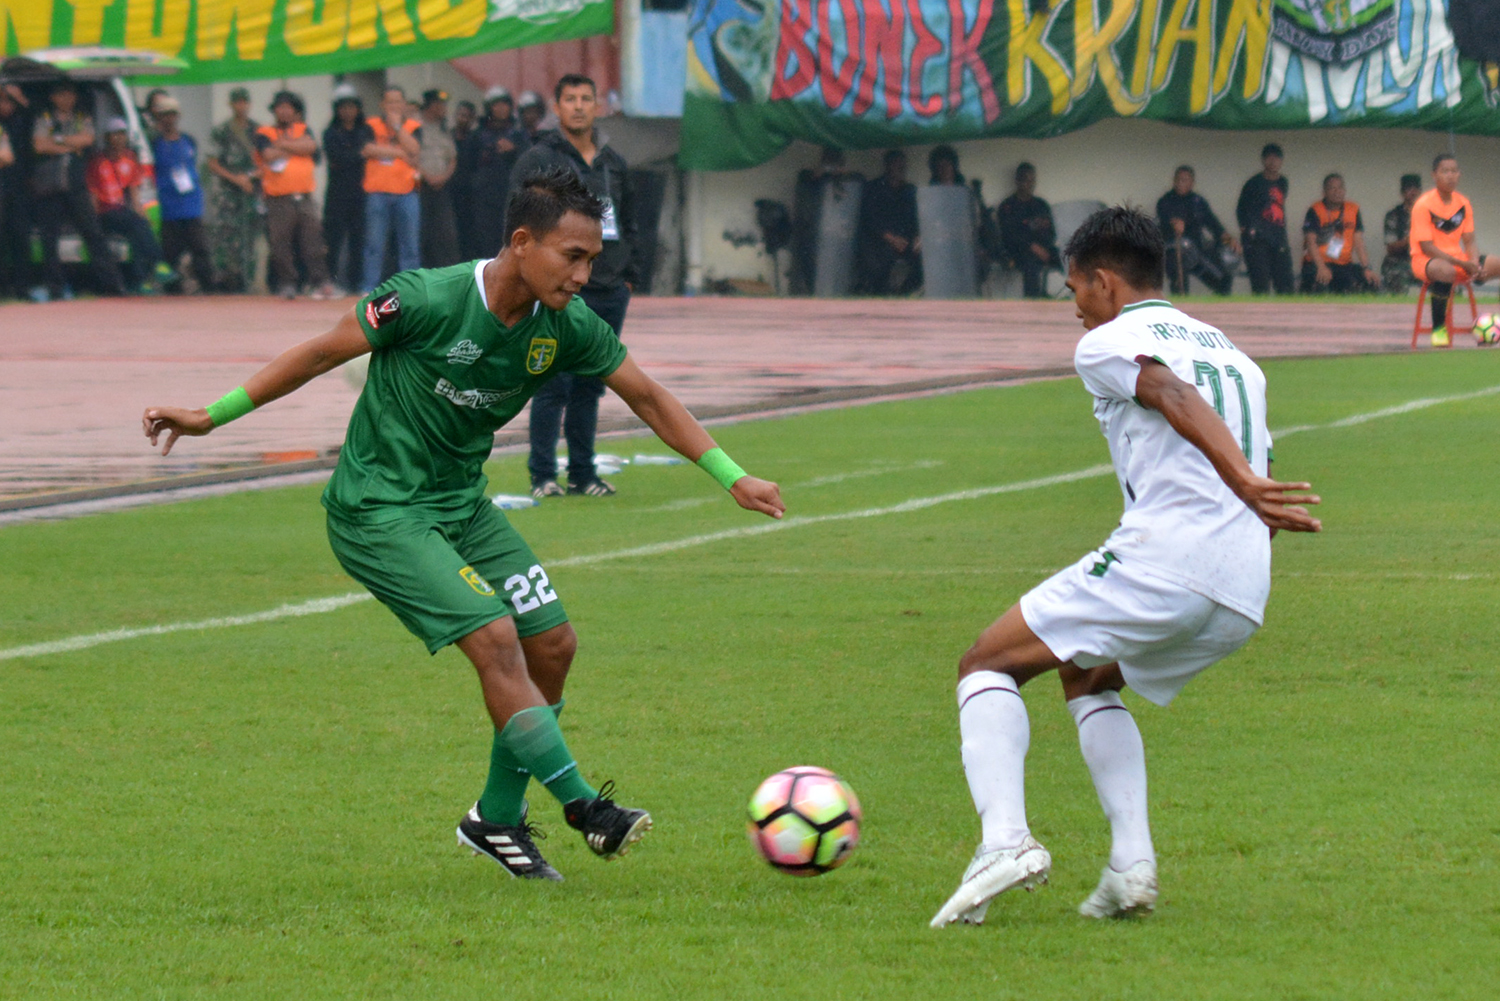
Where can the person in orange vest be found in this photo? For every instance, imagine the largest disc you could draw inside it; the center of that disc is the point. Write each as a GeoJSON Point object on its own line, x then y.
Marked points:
{"type": "Point", "coordinates": [288, 152]}
{"type": "Point", "coordinates": [391, 198]}
{"type": "Point", "coordinates": [1333, 235]}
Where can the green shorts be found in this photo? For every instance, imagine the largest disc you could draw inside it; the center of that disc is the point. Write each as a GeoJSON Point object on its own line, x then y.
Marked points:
{"type": "Point", "coordinates": [445, 579]}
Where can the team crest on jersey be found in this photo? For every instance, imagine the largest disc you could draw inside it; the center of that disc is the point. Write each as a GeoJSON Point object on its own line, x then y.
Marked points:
{"type": "Point", "coordinates": [465, 352]}
{"type": "Point", "coordinates": [540, 355]}
{"type": "Point", "coordinates": [478, 583]}
{"type": "Point", "coordinates": [386, 309]}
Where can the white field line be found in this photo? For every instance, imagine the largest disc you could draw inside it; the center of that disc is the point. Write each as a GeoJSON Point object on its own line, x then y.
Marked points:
{"type": "Point", "coordinates": [320, 605]}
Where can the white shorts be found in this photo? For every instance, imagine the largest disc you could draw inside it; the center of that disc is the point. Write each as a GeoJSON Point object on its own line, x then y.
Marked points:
{"type": "Point", "coordinates": [1161, 634]}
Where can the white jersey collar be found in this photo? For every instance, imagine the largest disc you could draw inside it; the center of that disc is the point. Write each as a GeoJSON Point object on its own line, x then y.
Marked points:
{"type": "Point", "coordinates": [1144, 303]}
{"type": "Point", "coordinates": [536, 307]}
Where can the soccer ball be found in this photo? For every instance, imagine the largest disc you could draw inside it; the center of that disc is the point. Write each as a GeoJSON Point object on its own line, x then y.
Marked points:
{"type": "Point", "coordinates": [1487, 329]}
{"type": "Point", "coordinates": [804, 821]}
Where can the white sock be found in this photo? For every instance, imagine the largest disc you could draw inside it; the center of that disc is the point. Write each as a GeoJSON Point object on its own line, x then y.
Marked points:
{"type": "Point", "coordinates": [996, 734]}
{"type": "Point", "coordinates": [1112, 748]}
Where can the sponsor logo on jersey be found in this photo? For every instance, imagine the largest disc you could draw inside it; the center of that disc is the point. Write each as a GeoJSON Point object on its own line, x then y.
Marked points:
{"type": "Point", "coordinates": [478, 583]}
{"type": "Point", "coordinates": [475, 399]}
{"type": "Point", "coordinates": [386, 309]}
{"type": "Point", "coordinates": [465, 352]}
{"type": "Point", "coordinates": [540, 355]}
{"type": "Point", "coordinates": [1102, 567]}
{"type": "Point", "coordinates": [1449, 224]}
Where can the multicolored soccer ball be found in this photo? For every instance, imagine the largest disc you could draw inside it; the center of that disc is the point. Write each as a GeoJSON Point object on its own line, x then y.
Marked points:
{"type": "Point", "coordinates": [1487, 329]}
{"type": "Point", "coordinates": [804, 821]}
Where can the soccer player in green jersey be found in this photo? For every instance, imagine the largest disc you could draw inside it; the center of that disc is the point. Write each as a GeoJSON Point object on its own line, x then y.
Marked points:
{"type": "Point", "coordinates": [457, 352]}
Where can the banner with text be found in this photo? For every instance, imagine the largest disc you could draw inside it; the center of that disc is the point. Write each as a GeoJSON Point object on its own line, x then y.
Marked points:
{"type": "Point", "coordinates": [864, 73]}
{"type": "Point", "coordinates": [256, 39]}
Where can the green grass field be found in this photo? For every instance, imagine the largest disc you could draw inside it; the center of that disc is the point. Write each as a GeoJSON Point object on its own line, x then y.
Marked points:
{"type": "Point", "coordinates": [267, 811]}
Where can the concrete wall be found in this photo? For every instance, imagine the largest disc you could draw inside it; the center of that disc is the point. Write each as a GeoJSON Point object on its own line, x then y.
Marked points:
{"type": "Point", "coordinates": [1119, 160]}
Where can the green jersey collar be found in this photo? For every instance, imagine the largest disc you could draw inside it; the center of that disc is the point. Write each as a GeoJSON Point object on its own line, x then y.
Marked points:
{"type": "Point", "coordinates": [1143, 304]}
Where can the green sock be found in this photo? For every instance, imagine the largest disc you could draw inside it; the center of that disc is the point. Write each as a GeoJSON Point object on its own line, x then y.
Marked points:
{"type": "Point", "coordinates": [533, 738]}
{"type": "Point", "coordinates": [505, 789]}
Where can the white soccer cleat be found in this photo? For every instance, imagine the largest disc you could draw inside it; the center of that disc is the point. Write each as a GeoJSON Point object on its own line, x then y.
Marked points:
{"type": "Point", "coordinates": [1123, 894]}
{"type": "Point", "coordinates": [991, 874]}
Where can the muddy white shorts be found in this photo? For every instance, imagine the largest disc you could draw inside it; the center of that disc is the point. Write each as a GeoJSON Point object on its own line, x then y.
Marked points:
{"type": "Point", "coordinates": [1101, 611]}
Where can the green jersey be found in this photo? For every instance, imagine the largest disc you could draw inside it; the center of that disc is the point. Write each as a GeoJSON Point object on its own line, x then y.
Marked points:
{"type": "Point", "coordinates": [444, 376]}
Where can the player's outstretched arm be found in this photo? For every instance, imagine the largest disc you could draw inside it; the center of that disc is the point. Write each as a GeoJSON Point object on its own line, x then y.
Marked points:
{"type": "Point", "coordinates": [286, 372]}
{"type": "Point", "coordinates": [1277, 504]}
{"type": "Point", "coordinates": [666, 415]}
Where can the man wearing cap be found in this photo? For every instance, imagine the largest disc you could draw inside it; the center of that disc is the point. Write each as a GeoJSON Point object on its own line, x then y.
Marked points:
{"type": "Point", "coordinates": [532, 110]}
{"type": "Point", "coordinates": [500, 141]}
{"type": "Point", "coordinates": [114, 180]}
{"type": "Point", "coordinates": [579, 148]}
{"type": "Point", "coordinates": [61, 138]}
{"type": "Point", "coordinates": [391, 200]}
{"type": "Point", "coordinates": [288, 155]}
{"type": "Point", "coordinates": [180, 193]}
{"type": "Point", "coordinates": [436, 161]}
{"type": "Point", "coordinates": [344, 141]}
{"type": "Point", "coordinates": [237, 207]}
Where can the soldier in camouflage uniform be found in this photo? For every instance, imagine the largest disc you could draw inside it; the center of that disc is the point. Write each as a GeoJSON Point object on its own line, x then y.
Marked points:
{"type": "Point", "coordinates": [237, 218]}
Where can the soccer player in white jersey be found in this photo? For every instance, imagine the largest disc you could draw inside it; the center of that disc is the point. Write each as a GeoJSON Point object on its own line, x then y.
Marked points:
{"type": "Point", "coordinates": [1180, 584]}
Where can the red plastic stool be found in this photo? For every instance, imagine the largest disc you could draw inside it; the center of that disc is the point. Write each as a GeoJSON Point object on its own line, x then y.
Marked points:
{"type": "Point", "coordinates": [1417, 329]}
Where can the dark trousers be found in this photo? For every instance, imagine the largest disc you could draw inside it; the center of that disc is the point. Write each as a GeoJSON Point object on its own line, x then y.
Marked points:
{"type": "Point", "coordinates": [579, 397]}
{"type": "Point", "coordinates": [1034, 275]}
{"type": "Point", "coordinates": [145, 252]}
{"type": "Point", "coordinates": [1343, 278]}
{"type": "Point", "coordinates": [883, 270]}
{"type": "Point", "coordinates": [52, 212]}
{"type": "Point", "coordinates": [344, 234]}
{"type": "Point", "coordinates": [439, 228]}
{"type": "Point", "coordinates": [1269, 263]}
{"type": "Point", "coordinates": [292, 222]}
{"type": "Point", "coordinates": [15, 241]}
{"type": "Point", "coordinates": [187, 236]}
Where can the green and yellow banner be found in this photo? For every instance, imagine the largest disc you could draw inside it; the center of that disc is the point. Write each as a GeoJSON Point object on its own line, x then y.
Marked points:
{"type": "Point", "coordinates": [256, 39]}
{"type": "Point", "coordinates": [862, 73]}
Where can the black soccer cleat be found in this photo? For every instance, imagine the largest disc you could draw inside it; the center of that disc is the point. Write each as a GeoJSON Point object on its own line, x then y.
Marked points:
{"type": "Point", "coordinates": [608, 829]}
{"type": "Point", "coordinates": [510, 845]}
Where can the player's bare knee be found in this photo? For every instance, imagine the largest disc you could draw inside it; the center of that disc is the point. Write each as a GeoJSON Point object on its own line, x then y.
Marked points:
{"type": "Point", "coordinates": [1078, 682]}
{"type": "Point", "coordinates": [495, 649]}
{"type": "Point", "coordinates": [552, 651]}
{"type": "Point", "coordinates": [1000, 661]}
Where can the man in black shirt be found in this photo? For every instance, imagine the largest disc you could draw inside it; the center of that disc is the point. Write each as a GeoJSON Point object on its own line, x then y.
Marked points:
{"type": "Point", "coordinates": [887, 245]}
{"type": "Point", "coordinates": [1395, 269]}
{"type": "Point", "coordinates": [344, 203]}
{"type": "Point", "coordinates": [461, 185]}
{"type": "Point", "coordinates": [1028, 234]}
{"type": "Point", "coordinates": [15, 195]}
{"type": "Point", "coordinates": [1193, 235]}
{"type": "Point", "coordinates": [499, 142]}
{"type": "Point", "coordinates": [1262, 217]}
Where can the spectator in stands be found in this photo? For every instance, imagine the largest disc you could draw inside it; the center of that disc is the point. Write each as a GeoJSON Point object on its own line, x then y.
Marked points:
{"type": "Point", "coordinates": [237, 206]}
{"type": "Point", "coordinates": [499, 143]}
{"type": "Point", "coordinates": [1333, 241]}
{"type": "Point", "coordinates": [344, 141]}
{"type": "Point", "coordinates": [1028, 234]}
{"type": "Point", "coordinates": [436, 160]}
{"type": "Point", "coordinates": [15, 194]}
{"type": "Point", "coordinates": [461, 184]}
{"type": "Point", "coordinates": [7, 161]}
{"type": "Point", "coordinates": [179, 191]}
{"type": "Point", "coordinates": [288, 155]}
{"type": "Point", "coordinates": [114, 181]}
{"type": "Point", "coordinates": [1443, 250]}
{"type": "Point", "coordinates": [1395, 268]}
{"type": "Point", "coordinates": [532, 111]}
{"type": "Point", "coordinates": [887, 246]}
{"type": "Point", "coordinates": [1194, 237]}
{"type": "Point", "coordinates": [1261, 213]}
{"type": "Point", "coordinates": [807, 212]}
{"type": "Point", "coordinates": [391, 199]}
{"type": "Point", "coordinates": [62, 138]}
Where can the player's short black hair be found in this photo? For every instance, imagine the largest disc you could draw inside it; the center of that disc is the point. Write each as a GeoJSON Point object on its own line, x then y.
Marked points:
{"type": "Point", "coordinates": [1437, 161]}
{"type": "Point", "coordinates": [573, 80]}
{"type": "Point", "coordinates": [541, 200]}
{"type": "Point", "coordinates": [1409, 181]}
{"type": "Point", "coordinates": [1271, 149]}
{"type": "Point", "coordinates": [1122, 239]}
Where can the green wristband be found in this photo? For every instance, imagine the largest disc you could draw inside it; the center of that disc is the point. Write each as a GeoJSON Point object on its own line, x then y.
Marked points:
{"type": "Point", "coordinates": [721, 467]}
{"type": "Point", "coordinates": [234, 404]}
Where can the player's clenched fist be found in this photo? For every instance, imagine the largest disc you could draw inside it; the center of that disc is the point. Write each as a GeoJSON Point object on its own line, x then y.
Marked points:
{"type": "Point", "coordinates": [174, 422]}
{"type": "Point", "coordinates": [755, 494]}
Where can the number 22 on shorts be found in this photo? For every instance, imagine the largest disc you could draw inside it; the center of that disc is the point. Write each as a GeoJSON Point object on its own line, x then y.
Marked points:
{"type": "Point", "coordinates": [520, 592]}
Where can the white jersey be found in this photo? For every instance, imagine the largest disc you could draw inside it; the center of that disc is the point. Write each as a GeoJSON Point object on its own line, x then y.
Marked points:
{"type": "Point", "coordinates": [1181, 523]}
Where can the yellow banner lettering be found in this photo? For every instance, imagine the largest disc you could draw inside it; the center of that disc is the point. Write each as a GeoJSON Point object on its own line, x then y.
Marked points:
{"type": "Point", "coordinates": [1250, 23]}
{"type": "Point", "coordinates": [446, 19]}
{"type": "Point", "coordinates": [1093, 49]}
{"type": "Point", "coordinates": [1145, 47]}
{"type": "Point", "coordinates": [31, 21]}
{"type": "Point", "coordinates": [88, 21]}
{"type": "Point", "coordinates": [1200, 35]}
{"type": "Point", "coordinates": [140, 27]}
{"type": "Point", "coordinates": [250, 19]}
{"type": "Point", "coordinates": [1027, 47]}
{"type": "Point", "coordinates": [392, 17]}
{"type": "Point", "coordinates": [307, 35]}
